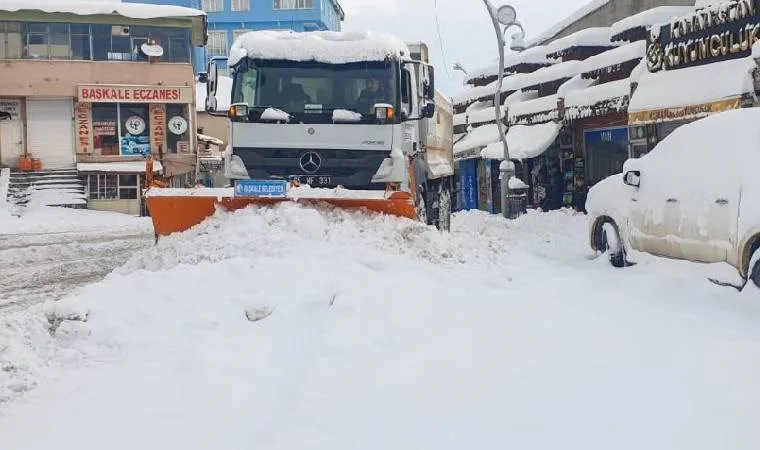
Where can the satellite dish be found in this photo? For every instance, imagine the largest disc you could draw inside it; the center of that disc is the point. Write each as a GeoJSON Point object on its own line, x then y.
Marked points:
{"type": "Point", "coordinates": [152, 50]}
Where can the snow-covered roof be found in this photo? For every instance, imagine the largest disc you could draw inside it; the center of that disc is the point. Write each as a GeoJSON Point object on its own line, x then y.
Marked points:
{"type": "Point", "coordinates": [335, 47]}
{"type": "Point", "coordinates": [93, 7]}
{"type": "Point", "coordinates": [587, 37]}
{"type": "Point", "coordinates": [569, 20]}
{"type": "Point", "coordinates": [474, 93]}
{"type": "Point", "coordinates": [120, 166]}
{"type": "Point", "coordinates": [524, 141]}
{"type": "Point", "coordinates": [610, 96]}
{"type": "Point", "coordinates": [223, 94]}
{"type": "Point", "coordinates": [575, 83]}
{"type": "Point", "coordinates": [477, 138]}
{"type": "Point", "coordinates": [533, 56]}
{"type": "Point", "coordinates": [615, 57]}
{"type": "Point", "coordinates": [519, 96]}
{"type": "Point", "coordinates": [567, 69]}
{"type": "Point", "coordinates": [460, 119]}
{"type": "Point", "coordinates": [484, 115]}
{"type": "Point", "coordinates": [693, 85]}
{"type": "Point", "coordinates": [645, 19]}
{"type": "Point", "coordinates": [542, 109]}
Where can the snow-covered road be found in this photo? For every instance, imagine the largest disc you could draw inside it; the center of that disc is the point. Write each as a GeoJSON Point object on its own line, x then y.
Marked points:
{"type": "Point", "coordinates": [384, 334]}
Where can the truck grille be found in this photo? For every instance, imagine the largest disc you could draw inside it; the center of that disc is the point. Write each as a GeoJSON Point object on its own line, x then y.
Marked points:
{"type": "Point", "coordinates": [352, 169]}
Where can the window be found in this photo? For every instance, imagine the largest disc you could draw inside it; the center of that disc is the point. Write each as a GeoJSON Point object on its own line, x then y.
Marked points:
{"type": "Point", "coordinates": [80, 42]}
{"type": "Point", "coordinates": [110, 186]}
{"type": "Point", "coordinates": [135, 137]}
{"type": "Point", "coordinates": [212, 5]}
{"type": "Point", "coordinates": [293, 4]}
{"type": "Point", "coordinates": [241, 5]}
{"type": "Point", "coordinates": [177, 129]}
{"type": "Point", "coordinates": [217, 43]}
{"type": "Point", "coordinates": [10, 40]}
{"type": "Point", "coordinates": [47, 41]}
{"type": "Point", "coordinates": [105, 129]}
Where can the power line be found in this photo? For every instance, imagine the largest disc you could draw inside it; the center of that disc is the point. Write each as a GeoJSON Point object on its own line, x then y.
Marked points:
{"type": "Point", "coordinates": [440, 39]}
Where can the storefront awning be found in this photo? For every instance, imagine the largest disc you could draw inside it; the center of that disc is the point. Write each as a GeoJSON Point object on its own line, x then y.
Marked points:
{"type": "Point", "coordinates": [598, 100]}
{"type": "Point", "coordinates": [542, 109]}
{"type": "Point", "coordinates": [525, 141]}
{"type": "Point", "coordinates": [118, 167]}
{"type": "Point", "coordinates": [476, 139]}
{"type": "Point", "coordinates": [691, 92]}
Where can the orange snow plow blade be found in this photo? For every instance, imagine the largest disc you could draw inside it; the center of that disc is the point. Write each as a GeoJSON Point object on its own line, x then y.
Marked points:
{"type": "Point", "coordinates": [177, 210]}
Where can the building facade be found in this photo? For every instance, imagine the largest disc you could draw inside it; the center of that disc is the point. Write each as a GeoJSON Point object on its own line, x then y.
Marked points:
{"type": "Point", "coordinates": [98, 92]}
{"type": "Point", "coordinates": [230, 18]}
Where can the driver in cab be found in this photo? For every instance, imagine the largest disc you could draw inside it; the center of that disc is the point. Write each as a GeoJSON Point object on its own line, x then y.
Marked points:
{"type": "Point", "coordinates": [371, 95]}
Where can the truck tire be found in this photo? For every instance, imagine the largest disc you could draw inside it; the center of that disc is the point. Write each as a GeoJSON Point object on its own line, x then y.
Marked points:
{"type": "Point", "coordinates": [443, 219]}
{"type": "Point", "coordinates": [754, 269]}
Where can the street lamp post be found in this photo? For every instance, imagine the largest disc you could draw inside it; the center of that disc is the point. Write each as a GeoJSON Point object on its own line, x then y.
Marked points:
{"type": "Point", "coordinates": [506, 16]}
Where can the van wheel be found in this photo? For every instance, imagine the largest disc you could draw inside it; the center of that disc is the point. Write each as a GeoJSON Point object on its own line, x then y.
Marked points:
{"type": "Point", "coordinates": [609, 241]}
{"type": "Point", "coordinates": [755, 268]}
{"type": "Point", "coordinates": [443, 219]}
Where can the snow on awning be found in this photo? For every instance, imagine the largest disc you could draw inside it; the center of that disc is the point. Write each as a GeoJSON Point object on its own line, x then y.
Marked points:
{"type": "Point", "coordinates": [556, 72]}
{"type": "Point", "coordinates": [611, 60]}
{"type": "Point", "coordinates": [533, 56]}
{"type": "Point", "coordinates": [524, 141]}
{"type": "Point", "coordinates": [475, 93]}
{"type": "Point", "coordinates": [484, 115]}
{"type": "Point", "coordinates": [460, 119]}
{"type": "Point", "coordinates": [645, 19]}
{"type": "Point", "coordinates": [598, 100]}
{"type": "Point", "coordinates": [93, 7]}
{"type": "Point", "coordinates": [476, 139]}
{"type": "Point", "coordinates": [691, 92]}
{"type": "Point", "coordinates": [330, 47]}
{"type": "Point", "coordinates": [542, 109]}
{"type": "Point", "coordinates": [587, 37]}
{"type": "Point", "coordinates": [121, 167]}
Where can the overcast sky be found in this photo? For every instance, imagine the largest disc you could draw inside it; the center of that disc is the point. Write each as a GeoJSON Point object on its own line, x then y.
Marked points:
{"type": "Point", "coordinates": [466, 31]}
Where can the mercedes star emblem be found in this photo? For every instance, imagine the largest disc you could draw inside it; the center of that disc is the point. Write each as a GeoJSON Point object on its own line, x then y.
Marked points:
{"type": "Point", "coordinates": [310, 162]}
{"type": "Point", "coordinates": [311, 131]}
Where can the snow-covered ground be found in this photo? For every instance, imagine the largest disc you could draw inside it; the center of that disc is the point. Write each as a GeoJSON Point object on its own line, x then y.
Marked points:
{"type": "Point", "coordinates": [379, 333]}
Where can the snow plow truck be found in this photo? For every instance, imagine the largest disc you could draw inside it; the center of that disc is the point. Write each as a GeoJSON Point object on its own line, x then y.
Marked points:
{"type": "Point", "coordinates": [345, 118]}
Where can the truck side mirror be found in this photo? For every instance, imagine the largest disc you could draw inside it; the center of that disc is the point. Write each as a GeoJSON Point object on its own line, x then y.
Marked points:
{"type": "Point", "coordinates": [429, 86]}
{"type": "Point", "coordinates": [212, 78]}
{"type": "Point", "coordinates": [428, 111]}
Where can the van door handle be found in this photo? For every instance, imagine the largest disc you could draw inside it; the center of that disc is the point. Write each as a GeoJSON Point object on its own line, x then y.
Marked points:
{"type": "Point", "coordinates": [721, 201]}
{"type": "Point", "coordinates": [672, 200]}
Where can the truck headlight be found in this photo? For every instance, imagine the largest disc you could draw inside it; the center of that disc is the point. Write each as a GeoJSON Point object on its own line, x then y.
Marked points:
{"type": "Point", "coordinates": [239, 111]}
{"type": "Point", "coordinates": [385, 112]}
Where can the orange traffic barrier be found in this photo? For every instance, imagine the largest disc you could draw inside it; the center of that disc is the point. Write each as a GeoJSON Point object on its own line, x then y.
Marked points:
{"type": "Point", "coordinates": [36, 164]}
{"type": "Point", "coordinates": [24, 163]}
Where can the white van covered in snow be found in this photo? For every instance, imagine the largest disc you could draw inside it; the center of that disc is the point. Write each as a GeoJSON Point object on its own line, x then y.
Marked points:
{"type": "Point", "coordinates": [693, 197]}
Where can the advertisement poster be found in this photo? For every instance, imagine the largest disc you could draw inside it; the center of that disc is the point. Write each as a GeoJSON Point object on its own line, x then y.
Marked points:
{"type": "Point", "coordinates": [84, 128]}
{"type": "Point", "coordinates": [469, 183]}
{"type": "Point", "coordinates": [10, 109]}
{"type": "Point", "coordinates": [158, 126]}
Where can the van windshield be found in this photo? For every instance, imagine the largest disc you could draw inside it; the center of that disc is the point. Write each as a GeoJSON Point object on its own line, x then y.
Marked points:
{"type": "Point", "coordinates": [311, 91]}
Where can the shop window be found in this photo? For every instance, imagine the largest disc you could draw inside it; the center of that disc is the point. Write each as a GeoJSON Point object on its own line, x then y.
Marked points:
{"type": "Point", "coordinates": [293, 4]}
{"type": "Point", "coordinates": [135, 138]}
{"type": "Point", "coordinates": [217, 43]}
{"type": "Point", "coordinates": [105, 127]}
{"type": "Point", "coordinates": [10, 40]}
{"type": "Point", "coordinates": [128, 187]}
{"type": "Point", "coordinates": [109, 186]}
{"type": "Point", "coordinates": [178, 129]}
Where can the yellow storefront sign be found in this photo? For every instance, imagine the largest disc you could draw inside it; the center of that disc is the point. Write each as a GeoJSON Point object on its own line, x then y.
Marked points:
{"type": "Point", "coordinates": [683, 112]}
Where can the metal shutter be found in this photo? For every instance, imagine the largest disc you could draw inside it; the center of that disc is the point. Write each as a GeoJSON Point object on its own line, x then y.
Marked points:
{"type": "Point", "coordinates": [50, 132]}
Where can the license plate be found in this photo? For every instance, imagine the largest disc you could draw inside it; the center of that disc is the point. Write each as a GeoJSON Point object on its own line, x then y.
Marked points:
{"type": "Point", "coordinates": [313, 180]}
{"type": "Point", "coordinates": [261, 188]}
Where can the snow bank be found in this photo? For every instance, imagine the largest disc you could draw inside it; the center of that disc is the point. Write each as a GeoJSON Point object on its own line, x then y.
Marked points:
{"type": "Point", "coordinates": [667, 88]}
{"type": "Point", "coordinates": [44, 219]}
{"type": "Point", "coordinates": [645, 19]}
{"type": "Point", "coordinates": [223, 94]}
{"type": "Point", "coordinates": [579, 14]}
{"type": "Point", "coordinates": [587, 37]}
{"type": "Point", "coordinates": [322, 46]}
{"type": "Point", "coordinates": [578, 104]}
{"type": "Point", "coordinates": [92, 7]}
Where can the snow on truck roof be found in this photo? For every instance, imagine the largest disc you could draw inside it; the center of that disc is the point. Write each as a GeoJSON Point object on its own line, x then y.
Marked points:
{"type": "Point", "coordinates": [322, 46]}
{"type": "Point", "coordinates": [94, 7]}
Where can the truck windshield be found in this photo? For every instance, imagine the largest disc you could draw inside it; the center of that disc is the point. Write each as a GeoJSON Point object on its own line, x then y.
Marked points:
{"type": "Point", "coordinates": [311, 91]}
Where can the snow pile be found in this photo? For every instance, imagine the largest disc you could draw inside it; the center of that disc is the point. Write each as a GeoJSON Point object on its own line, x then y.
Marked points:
{"type": "Point", "coordinates": [587, 37]}
{"type": "Point", "coordinates": [223, 94]}
{"type": "Point", "coordinates": [589, 8]}
{"type": "Point", "coordinates": [561, 71]}
{"type": "Point", "coordinates": [693, 85]}
{"type": "Point", "coordinates": [645, 19]}
{"type": "Point", "coordinates": [612, 59]}
{"type": "Point", "coordinates": [579, 104]}
{"type": "Point", "coordinates": [331, 47]}
{"type": "Point", "coordinates": [93, 7]}
{"type": "Point", "coordinates": [542, 109]}
{"type": "Point", "coordinates": [516, 183]}
{"type": "Point", "coordinates": [44, 219]}
{"type": "Point", "coordinates": [525, 141]}
{"type": "Point", "coordinates": [477, 138]}
{"type": "Point", "coordinates": [56, 197]}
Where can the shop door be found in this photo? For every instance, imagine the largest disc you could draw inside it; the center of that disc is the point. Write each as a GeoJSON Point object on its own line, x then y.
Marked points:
{"type": "Point", "coordinates": [50, 132]}
{"type": "Point", "coordinates": [469, 183]}
{"type": "Point", "coordinates": [11, 142]}
{"type": "Point", "coordinates": [606, 152]}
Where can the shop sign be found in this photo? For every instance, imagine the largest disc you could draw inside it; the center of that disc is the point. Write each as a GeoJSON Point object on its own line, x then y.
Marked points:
{"type": "Point", "coordinates": [177, 125]}
{"type": "Point", "coordinates": [183, 147]}
{"type": "Point", "coordinates": [84, 128]}
{"type": "Point", "coordinates": [157, 126]}
{"type": "Point", "coordinates": [134, 94]}
{"type": "Point", "coordinates": [725, 31]}
{"type": "Point", "coordinates": [683, 112]}
{"type": "Point", "coordinates": [135, 125]}
{"type": "Point", "coordinates": [12, 107]}
{"type": "Point", "coordinates": [104, 128]}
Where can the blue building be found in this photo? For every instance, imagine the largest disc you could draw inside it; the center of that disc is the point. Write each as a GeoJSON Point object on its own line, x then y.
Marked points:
{"type": "Point", "coordinates": [227, 19]}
